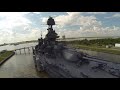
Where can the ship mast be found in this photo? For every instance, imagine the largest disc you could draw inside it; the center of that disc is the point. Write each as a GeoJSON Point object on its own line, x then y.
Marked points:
{"type": "Point", "coordinates": [51, 35]}
{"type": "Point", "coordinates": [41, 34]}
{"type": "Point", "coordinates": [50, 22]}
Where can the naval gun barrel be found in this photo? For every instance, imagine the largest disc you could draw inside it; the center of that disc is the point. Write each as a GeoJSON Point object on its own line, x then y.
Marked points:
{"type": "Point", "coordinates": [93, 58]}
{"type": "Point", "coordinates": [108, 66]}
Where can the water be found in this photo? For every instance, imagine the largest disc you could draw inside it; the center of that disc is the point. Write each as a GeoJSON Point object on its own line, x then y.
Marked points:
{"type": "Point", "coordinates": [12, 47]}
{"type": "Point", "coordinates": [20, 65]}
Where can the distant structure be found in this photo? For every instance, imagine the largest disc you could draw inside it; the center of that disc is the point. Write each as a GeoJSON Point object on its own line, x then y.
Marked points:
{"type": "Point", "coordinates": [117, 45]}
{"type": "Point", "coordinates": [63, 37]}
{"type": "Point", "coordinates": [109, 46]}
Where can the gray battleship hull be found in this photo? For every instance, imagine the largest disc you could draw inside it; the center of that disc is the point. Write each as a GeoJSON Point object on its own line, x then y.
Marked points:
{"type": "Point", "coordinates": [60, 61]}
{"type": "Point", "coordinates": [60, 67]}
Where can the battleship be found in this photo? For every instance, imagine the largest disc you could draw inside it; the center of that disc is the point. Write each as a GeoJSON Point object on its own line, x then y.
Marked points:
{"type": "Point", "coordinates": [61, 61]}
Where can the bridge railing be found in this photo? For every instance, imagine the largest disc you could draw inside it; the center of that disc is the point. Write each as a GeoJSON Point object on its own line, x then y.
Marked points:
{"type": "Point", "coordinates": [24, 48]}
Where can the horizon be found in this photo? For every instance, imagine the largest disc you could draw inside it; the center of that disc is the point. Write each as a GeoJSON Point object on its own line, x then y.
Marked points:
{"type": "Point", "coordinates": [106, 37]}
{"type": "Point", "coordinates": [27, 26]}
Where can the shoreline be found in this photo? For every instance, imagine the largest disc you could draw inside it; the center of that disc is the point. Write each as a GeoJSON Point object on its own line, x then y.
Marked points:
{"type": "Point", "coordinates": [97, 49]}
{"type": "Point", "coordinates": [1, 62]}
{"type": "Point", "coordinates": [101, 55]}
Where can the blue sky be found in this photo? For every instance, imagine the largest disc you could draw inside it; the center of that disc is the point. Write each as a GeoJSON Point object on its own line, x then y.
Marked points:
{"type": "Point", "coordinates": [22, 26]}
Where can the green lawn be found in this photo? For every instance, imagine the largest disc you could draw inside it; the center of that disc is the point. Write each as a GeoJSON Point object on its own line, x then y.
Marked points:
{"type": "Point", "coordinates": [5, 55]}
{"type": "Point", "coordinates": [98, 49]}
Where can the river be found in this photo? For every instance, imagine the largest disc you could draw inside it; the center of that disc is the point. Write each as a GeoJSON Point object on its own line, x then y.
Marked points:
{"type": "Point", "coordinates": [20, 65]}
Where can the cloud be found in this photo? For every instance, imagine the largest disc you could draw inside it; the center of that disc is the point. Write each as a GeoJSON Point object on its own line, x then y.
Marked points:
{"type": "Point", "coordinates": [44, 19]}
{"type": "Point", "coordinates": [37, 12]}
{"type": "Point", "coordinates": [19, 26]}
{"type": "Point", "coordinates": [96, 12]}
{"type": "Point", "coordinates": [91, 32]}
{"type": "Point", "coordinates": [116, 15]}
{"type": "Point", "coordinates": [74, 18]}
{"type": "Point", "coordinates": [67, 19]}
{"type": "Point", "coordinates": [13, 19]}
{"type": "Point", "coordinates": [12, 22]}
{"type": "Point", "coordinates": [90, 26]}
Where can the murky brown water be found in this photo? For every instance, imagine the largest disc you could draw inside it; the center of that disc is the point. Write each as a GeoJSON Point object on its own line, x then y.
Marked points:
{"type": "Point", "coordinates": [20, 66]}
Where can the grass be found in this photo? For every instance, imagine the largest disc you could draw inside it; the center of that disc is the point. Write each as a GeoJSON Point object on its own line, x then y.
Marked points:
{"type": "Point", "coordinates": [98, 49]}
{"type": "Point", "coordinates": [5, 55]}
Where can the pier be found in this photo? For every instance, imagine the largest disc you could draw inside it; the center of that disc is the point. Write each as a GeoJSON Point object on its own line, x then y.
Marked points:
{"type": "Point", "coordinates": [25, 50]}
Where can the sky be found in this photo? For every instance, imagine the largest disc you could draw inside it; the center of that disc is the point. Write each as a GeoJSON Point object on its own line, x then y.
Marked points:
{"type": "Point", "coordinates": [25, 26]}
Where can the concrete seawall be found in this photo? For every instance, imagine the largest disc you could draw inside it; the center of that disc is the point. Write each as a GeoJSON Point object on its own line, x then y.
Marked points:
{"type": "Point", "coordinates": [7, 58]}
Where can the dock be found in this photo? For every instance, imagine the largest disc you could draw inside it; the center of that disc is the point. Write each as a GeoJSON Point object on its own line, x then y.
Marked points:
{"type": "Point", "coordinates": [24, 48]}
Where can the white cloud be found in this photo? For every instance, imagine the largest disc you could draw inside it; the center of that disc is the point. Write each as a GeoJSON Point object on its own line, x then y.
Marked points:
{"type": "Point", "coordinates": [15, 26]}
{"type": "Point", "coordinates": [89, 26]}
{"type": "Point", "coordinates": [13, 19]}
{"type": "Point", "coordinates": [11, 22]}
{"type": "Point", "coordinates": [91, 32]}
{"type": "Point", "coordinates": [37, 12]}
{"type": "Point", "coordinates": [75, 18]}
{"type": "Point", "coordinates": [67, 19]}
{"type": "Point", "coordinates": [44, 19]}
{"type": "Point", "coordinates": [13, 14]}
{"type": "Point", "coordinates": [96, 12]}
{"type": "Point", "coordinates": [74, 13]}
{"type": "Point", "coordinates": [116, 15]}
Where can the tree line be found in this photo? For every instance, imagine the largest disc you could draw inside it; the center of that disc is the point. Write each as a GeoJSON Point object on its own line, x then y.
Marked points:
{"type": "Point", "coordinates": [99, 42]}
